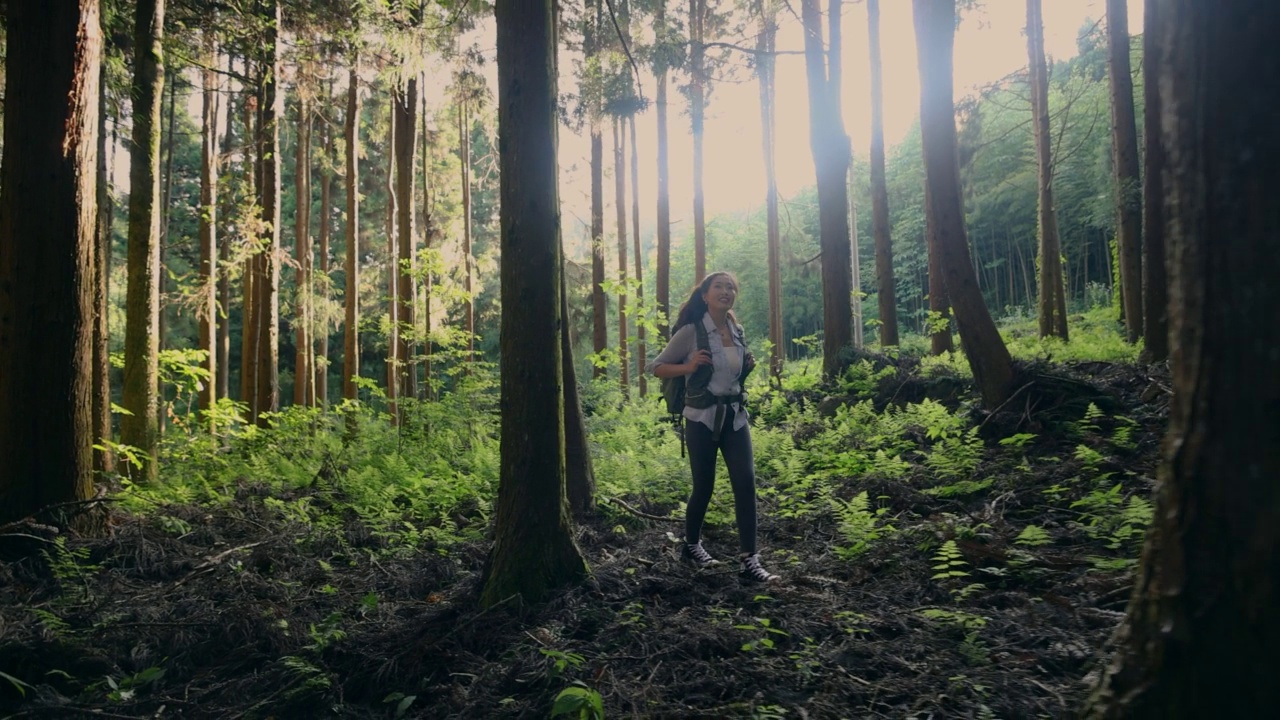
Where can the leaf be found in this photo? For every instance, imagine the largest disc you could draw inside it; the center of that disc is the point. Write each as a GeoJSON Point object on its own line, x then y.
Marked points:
{"type": "Point", "coordinates": [17, 684]}
{"type": "Point", "coordinates": [569, 701]}
{"type": "Point", "coordinates": [404, 704]}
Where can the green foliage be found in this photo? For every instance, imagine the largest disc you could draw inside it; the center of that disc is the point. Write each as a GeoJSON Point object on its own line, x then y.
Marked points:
{"type": "Point", "coordinates": [579, 702]}
{"type": "Point", "coordinates": [1033, 536]}
{"type": "Point", "coordinates": [760, 631]}
{"type": "Point", "coordinates": [858, 525]}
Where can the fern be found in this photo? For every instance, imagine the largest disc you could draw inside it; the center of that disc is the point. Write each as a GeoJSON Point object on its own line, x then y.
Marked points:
{"type": "Point", "coordinates": [858, 525]}
{"type": "Point", "coordinates": [1033, 536]}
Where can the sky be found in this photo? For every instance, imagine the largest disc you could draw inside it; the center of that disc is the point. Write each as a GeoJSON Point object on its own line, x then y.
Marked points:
{"type": "Point", "coordinates": [990, 44]}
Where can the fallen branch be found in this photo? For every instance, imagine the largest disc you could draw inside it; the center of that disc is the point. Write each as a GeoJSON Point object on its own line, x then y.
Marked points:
{"type": "Point", "coordinates": [640, 513]}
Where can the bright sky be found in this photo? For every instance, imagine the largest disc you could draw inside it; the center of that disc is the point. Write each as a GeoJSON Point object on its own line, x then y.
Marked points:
{"type": "Point", "coordinates": [990, 44]}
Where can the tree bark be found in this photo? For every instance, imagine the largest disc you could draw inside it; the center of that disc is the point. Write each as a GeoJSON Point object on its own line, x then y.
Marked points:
{"type": "Point", "coordinates": [935, 22]}
{"type": "Point", "coordinates": [662, 289]}
{"type": "Point", "coordinates": [830, 146]}
{"type": "Point", "coordinates": [1053, 311]}
{"type": "Point", "coordinates": [140, 426]}
{"type": "Point", "coordinates": [620, 203]}
{"type": "Point", "coordinates": [104, 460]}
{"type": "Point", "coordinates": [599, 326]}
{"type": "Point", "coordinates": [351, 332]}
{"type": "Point", "coordinates": [697, 114]}
{"type": "Point", "coordinates": [224, 257]}
{"type": "Point", "coordinates": [250, 279]}
{"type": "Point", "coordinates": [393, 274]}
{"type": "Point", "coordinates": [641, 378]}
{"type": "Point", "coordinates": [47, 222]}
{"type": "Point", "coordinates": [1200, 633]}
{"type": "Point", "coordinates": [303, 377]}
{"type": "Point", "coordinates": [886, 288]}
{"type": "Point", "coordinates": [208, 284]}
{"type": "Point", "coordinates": [167, 138]}
{"type": "Point", "coordinates": [766, 72]}
{"type": "Point", "coordinates": [428, 229]}
{"type": "Point", "coordinates": [1155, 294]}
{"type": "Point", "coordinates": [1124, 142]}
{"type": "Point", "coordinates": [580, 477]}
{"type": "Point", "coordinates": [267, 375]}
{"type": "Point", "coordinates": [406, 109]}
{"type": "Point", "coordinates": [464, 150]}
{"type": "Point", "coordinates": [322, 237]}
{"type": "Point", "coordinates": [533, 551]}
{"type": "Point", "coordinates": [940, 339]}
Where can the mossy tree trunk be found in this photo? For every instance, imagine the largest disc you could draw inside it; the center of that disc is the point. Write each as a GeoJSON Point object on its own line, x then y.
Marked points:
{"type": "Point", "coordinates": [1124, 144]}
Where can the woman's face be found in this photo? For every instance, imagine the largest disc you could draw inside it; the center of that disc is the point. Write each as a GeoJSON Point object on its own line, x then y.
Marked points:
{"type": "Point", "coordinates": [721, 294]}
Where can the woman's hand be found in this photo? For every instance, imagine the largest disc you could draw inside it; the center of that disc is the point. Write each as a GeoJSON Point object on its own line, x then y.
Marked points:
{"type": "Point", "coordinates": [697, 360]}
{"type": "Point", "coordinates": [750, 361]}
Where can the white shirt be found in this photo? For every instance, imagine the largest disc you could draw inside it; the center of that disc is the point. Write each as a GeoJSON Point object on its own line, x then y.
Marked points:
{"type": "Point", "coordinates": [726, 366]}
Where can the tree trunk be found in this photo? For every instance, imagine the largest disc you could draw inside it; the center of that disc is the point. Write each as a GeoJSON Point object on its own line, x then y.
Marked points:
{"type": "Point", "coordinates": [697, 114]}
{"type": "Point", "coordinates": [599, 326]}
{"type": "Point", "coordinates": [766, 72]}
{"type": "Point", "coordinates": [303, 390]}
{"type": "Point", "coordinates": [1053, 311]}
{"type": "Point", "coordinates": [393, 274]}
{"type": "Point", "coordinates": [1200, 635]}
{"type": "Point", "coordinates": [427, 230]}
{"type": "Point", "coordinates": [140, 427]}
{"type": "Point", "coordinates": [250, 280]}
{"type": "Point", "coordinates": [47, 221]}
{"type": "Point", "coordinates": [167, 138]}
{"type": "Point", "coordinates": [940, 339]}
{"type": "Point", "coordinates": [104, 460]}
{"type": "Point", "coordinates": [830, 148]}
{"type": "Point", "coordinates": [533, 551]}
{"type": "Point", "coordinates": [641, 351]}
{"type": "Point", "coordinates": [406, 109]}
{"type": "Point", "coordinates": [224, 258]}
{"type": "Point", "coordinates": [885, 287]}
{"type": "Point", "coordinates": [935, 22]}
{"type": "Point", "coordinates": [322, 236]}
{"type": "Point", "coordinates": [267, 375]}
{"type": "Point", "coordinates": [620, 202]}
{"type": "Point", "coordinates": [1155, 294]}
{"type": "Point", "coordinates": [662, 289]}
{"type": "Point", "coordinates": [351, 331]}
{"type": "Point", "coordinates": [1124, 141]}
{"type": "Point", "coordinates": [580, 478]}
{"type": "Point", "coordinates": [208, 284]}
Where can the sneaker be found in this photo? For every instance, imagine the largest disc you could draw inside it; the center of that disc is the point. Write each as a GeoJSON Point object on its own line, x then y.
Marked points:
{"type": "Point", "coordinates": [753, 571]}
{"type": "Point", "coordinates": [696, 555]}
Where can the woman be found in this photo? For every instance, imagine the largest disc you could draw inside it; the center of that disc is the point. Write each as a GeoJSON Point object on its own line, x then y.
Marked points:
{"type": "Point", "coordinates": [714, 413]}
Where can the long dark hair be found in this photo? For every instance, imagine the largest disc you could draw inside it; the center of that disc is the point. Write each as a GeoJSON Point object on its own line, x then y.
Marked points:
{"type": "Point", "coordinates": [695, 307]}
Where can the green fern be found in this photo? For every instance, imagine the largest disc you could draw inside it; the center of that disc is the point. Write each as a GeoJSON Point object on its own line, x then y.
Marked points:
{"type": "Point", "coordinates": [1033, 536]}
{"type": "Point", "coordinates": [858, 525]}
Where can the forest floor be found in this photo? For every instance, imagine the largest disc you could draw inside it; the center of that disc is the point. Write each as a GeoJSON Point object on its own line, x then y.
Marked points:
{"type": "Point", "coordinates": [990, 595]}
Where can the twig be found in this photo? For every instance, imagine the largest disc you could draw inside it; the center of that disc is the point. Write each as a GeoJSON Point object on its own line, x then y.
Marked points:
{"type": "Point", "coordinates": [641, 513]}
{"type": "Point", "coordinates": [1006, 402]}
{"type": "Point", "coordinates": [212, 562]}
{"type": "Point", "coordinates": [613, 15]}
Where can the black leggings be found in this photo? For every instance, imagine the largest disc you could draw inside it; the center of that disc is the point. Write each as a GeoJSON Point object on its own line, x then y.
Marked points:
{"type": "Point", "coordinates": [739, 457]}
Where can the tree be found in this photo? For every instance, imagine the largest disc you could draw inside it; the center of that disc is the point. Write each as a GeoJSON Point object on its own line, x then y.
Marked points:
{"type": "Point", "coordinates": [1053, 308]}
{"type": "Point", "coordinates": [304, 392]}
{"type": "Point", "coordinates": [104, 460]}
{"type": "Point", "coordinates": [697, 113]}
{"type": "Point", "coordinates": [1199, 636]}
{"type": "Point", "coordinates": [662, 64]}
{"type": "Point", "coordinates": [139, 427]}
{"type": "Point", "coordinates": [620, 204]}
{"type": "Point", "coordinates": [351, 334]}
{"type": "Point", "coordinates": [1124, 143]}
{"type": "Point", "coordinates": [464, 156]}
{"type": "Point", "coordinates": [635, 239]}
{"type": "Point", "coordinates": [831, 158]}
{"type": "Point", "coordinates": [580, 477]}
{"type": "Point", "coordinates": [267, 302]}
{"type": "Point", "coordinates": [533, 551]}
{"type": "Point", "coordinates": [593, 44]}
{"type": "Point", "coordinates": [208, 309]}
{"type": "Point", "coordinates": [935, 22]}
{"type": "Point", "coordinates": [766, 74]}
{"type": "Point", "coordinates": [880, 189]}
{"type": "Point", "coordinates": [1155, 295]}
{"type": "Point", "coordinates": [406, 128]}
{"type": "Point", "coordinates": [47, 224]}
{"type": "Point", "coordinates": [322, 238]}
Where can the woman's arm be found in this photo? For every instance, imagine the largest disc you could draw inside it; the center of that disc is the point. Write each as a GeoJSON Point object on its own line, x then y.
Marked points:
{"type": "Point", "coordinates": [678, 357]}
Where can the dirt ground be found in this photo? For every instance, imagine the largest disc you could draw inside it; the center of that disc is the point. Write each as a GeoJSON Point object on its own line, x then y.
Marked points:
{"type": "Point", "coordinates": [251, 614]}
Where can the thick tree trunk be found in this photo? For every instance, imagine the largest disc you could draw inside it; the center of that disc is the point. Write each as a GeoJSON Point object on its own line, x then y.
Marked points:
{"type": "Point", "coordinates": [267, 375]}
{"type": "Point", "coordinates": [641, 378]}
{"type": "Point", "coordinates": [697, 114]}
{"type": "Point", "coordinates": [208, 283]}
{"type": "Point", "coordinates": [406, 109]}
{"type": "Point", "coordinates": [464, 150]}
{"type": "Point", "coordinates": [766, 72]}
{"type": "Point", "coordinates": [599, 325]}
{"type": "Point", "coordinates": [831, 159]}
{"type": "Point", "coordinates": [1155, 294]}
{"type": "Point", "coordinates": [351, 332]}
{"type": "Point", "coordinates": [140, 426]}
{"type": "Point", "coordinates": [1053, 312]}
{"type": "Point", "coordinates": [250, 280]}
{"type": "Point", "coordinates": [104, 460]}
{"type": "Point", "coordinates": [940, 337]}
{"type": "Point", "coordinates": [1124, 143]}
{"type": "Point", "coordinates": [303, 390]}
{"type": "Point", "coordinates": [580, 477]}
{"type": "Point", "coordinates": [662, 284]}
{"type": "Point", "coordinates": [1200, 635]}
{"type": "Point", "coordinates": [935, 22]}
{"type": "Point", "coordinates": [533, 551]}
{"type": "Point", "coordinates": [886, 289]}
{"type": "Point", "coordinates": [393, 274]}
{"type": "Point", "coordinates": [47, 221]}
{"type": "Point", "coordinates": [322, 237]}
{"type": "Point", "coordinates": [620, 203]}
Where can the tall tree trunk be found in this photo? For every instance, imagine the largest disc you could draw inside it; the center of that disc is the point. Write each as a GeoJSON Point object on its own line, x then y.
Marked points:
{"type": "Point", "coordinates": [635, 240]}
{"type": "Point", "coordinates": [940, 338]}
{"type": "Point", "coordinates": [1124, 141]}
{"type": "Point", "coordinates": [140, 426]}
{"type": "Point", "coordinates": [1200, 634]}
{"type": "Point", "coordinates": [208, 284]}
{"type": "Point", "coordinates": [766, 72]}
{"type": "Point", "coordinates": [599, 326]}
{"type": "Point", "coordinates": [831, 159]}
{"type": "Point", "coordinates": [47, 222]}
{"type": "Point", "coordinates": [580, 478]}
{"type": "Point", "coordinates": [662, 284]}
{"type": "Point", "coordinates": [268, 295]}
{"type": "Point", "coordinates": [104, 460]}
{"type": "Point", "coordinates": [427, 229]}
{"type": "Point", "coordinates": [167, 140]}
{"type": "Point", "coordinates": [935, 22]}
{"type": "Point", "coordinates": [250, 280]}
{"type": "Point", "coordinates": [533, 551]}
{"type": "Point", "coordinates": [620, 203]}
{"type": "Point", "coordinates": [1053, 311]}
{"type": "Point", "coordinates": [406, 109]}
{"type": "Point", "coordinates": [303, 390]}
{"type": "Point", "coordinates": [224, 255]}
{"type": "Point", "coordinates": [697, 114]}
{"type": "Point", "coordinates": [351, 332]}
{"type": "Point", "coordinates": [1155, 294]}
{"type": "Point", "coordinates": [464, 151]}
{"type": "Point", "coordinates": [321, 372]}
{"type": "Point", "coordinates": [393, 274]}
{"type": "Point", "coordinates": [855, 296]}
{"type": "Point", "coordinates": [886, 289]}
